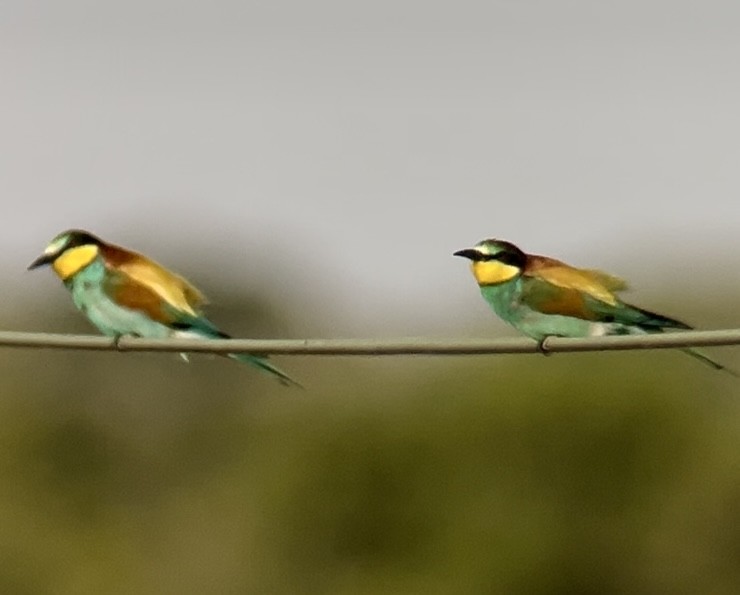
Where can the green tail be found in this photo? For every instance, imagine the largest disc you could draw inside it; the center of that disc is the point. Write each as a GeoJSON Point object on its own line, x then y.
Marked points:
{"type": "Point", "coordinates": [262, 363]}
{"type": "Point", "coordinates": [709, 361]}
{"type": "Point", "coordinates": [203, 327]}
{"type": "Point", "coordinates": [651, 322]}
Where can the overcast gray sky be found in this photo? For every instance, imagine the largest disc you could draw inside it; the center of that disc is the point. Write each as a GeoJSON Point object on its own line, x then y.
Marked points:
{"type": "Point", "coordinates": [369, 140]}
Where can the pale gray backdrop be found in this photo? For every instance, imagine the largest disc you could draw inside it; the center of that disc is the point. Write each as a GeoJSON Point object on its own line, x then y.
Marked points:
{"type": "Point", "coordinates": [349, 148]}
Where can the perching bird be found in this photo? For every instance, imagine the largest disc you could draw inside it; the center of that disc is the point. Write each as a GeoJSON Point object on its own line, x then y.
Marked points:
{"type": "Point", "coordinates": [124, 293]}
{"type": "Point", "coordinates": [542, 297]}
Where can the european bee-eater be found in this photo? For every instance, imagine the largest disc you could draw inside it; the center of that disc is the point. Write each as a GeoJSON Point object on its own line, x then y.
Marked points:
{"type": "Point", "coordinates": [124, 293]}
{"type": "Point", "coordinates": [542, 296]}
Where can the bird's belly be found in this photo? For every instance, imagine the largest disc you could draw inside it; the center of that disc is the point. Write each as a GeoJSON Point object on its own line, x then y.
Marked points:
{"type": "Point", "coordinates": [506, 301]}
{"type": "Point", "coordinates": [539, 326]}
{"type": "Point", "coordinates": [112, 319]}
{"type": "Point", "coordinates": [601, 329]}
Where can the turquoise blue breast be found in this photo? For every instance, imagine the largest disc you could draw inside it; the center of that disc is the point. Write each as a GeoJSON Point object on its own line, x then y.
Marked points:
{"type": "Point", "coordinates": [88, 294]}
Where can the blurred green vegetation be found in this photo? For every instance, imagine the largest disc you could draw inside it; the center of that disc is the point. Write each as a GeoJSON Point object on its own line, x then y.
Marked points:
{"type": "Point", "coordinates": [591, 473]}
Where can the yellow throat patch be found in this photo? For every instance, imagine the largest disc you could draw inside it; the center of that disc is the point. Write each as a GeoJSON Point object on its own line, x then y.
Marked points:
{"type": "Point", "coordinates": [71, 261]}
{"type": "Point", "coordinates": [491, 272]}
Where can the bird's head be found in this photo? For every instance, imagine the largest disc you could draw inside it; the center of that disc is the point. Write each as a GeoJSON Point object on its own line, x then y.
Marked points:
{"type": "Point", "coordinates": [494, 261]}
{"type": "Point", "coordinates": [69, 252]}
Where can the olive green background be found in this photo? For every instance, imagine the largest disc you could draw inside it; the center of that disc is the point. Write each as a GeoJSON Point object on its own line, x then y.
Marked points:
{"type": "Point", "coordinates": [575, 473]}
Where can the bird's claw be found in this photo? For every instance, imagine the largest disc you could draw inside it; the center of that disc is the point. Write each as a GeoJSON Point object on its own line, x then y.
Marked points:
{"type": "Point", "coordinates": [117, 342]}
{"type": "Point", "coordinates": [542, 346]}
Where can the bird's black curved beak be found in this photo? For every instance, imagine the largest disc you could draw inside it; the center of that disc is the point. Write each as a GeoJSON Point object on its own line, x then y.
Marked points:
{"type": "Point", "coordinates": [40, 261]}
{"type": "Point", "coordinates": [468, 253]}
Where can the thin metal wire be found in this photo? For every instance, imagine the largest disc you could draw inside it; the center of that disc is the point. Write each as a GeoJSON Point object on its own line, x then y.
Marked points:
{"type": "Point", "coordinates": [375, 347]}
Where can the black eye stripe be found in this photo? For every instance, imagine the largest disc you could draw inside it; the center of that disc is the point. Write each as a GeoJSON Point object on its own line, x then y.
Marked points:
{"type": "Point", "coordinates": [510, 258]}
{"type": "Point", "coordinates": [80, 239]}
{"type": "Point", "coordinates": [76, 241]}
{"type": "Point", "coordinates": [500, 256]}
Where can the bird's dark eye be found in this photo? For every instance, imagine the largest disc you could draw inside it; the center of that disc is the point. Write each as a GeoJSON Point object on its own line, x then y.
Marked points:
{"type": "Point", "coordinates": [507, 257]}
{"type": "Point", "coordinates": [511, 258]}
{"type": "Point", "coordinates": [80, 239]}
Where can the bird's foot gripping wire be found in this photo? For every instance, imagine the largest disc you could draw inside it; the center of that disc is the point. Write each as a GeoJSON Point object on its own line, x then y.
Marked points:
{"type": "Point", "coordinates": [542, 346]}
{"type": "Point", "coordinates": [117, 340]}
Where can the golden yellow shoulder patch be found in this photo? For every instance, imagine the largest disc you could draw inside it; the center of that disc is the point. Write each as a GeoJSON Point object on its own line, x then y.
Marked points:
{"type": "Point", "coordinates": [73, 260]}
{"type": "Point", "coordinates": [172, 288]}
{"type": "Point", "coordinates": [580, 280]}
{"type": "Point", "coordinates": [611, 282]}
